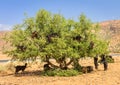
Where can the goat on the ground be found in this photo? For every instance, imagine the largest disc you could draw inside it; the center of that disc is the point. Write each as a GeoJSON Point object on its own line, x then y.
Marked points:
{"type": "Point", "coordinates": [87, 69]}
{"type": "Point", "coordinates": [20, 68]}
{"type": "Point", "coordinates": [46, 67]}
{"type": "Point", "coordinates": [96, 62]}
{"type": "Point", "coordinates": [104, 61]}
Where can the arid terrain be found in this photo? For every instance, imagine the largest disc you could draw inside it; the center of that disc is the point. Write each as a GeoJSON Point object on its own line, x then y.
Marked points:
{"type": "Point", "coordinates": [32, 76]}
{"type": "Point", "coordinates": [110, 30]}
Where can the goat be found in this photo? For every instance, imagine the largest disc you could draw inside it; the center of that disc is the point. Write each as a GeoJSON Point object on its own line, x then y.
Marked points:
{"type": "Point", "coordinates": [34, 35]}
{"type": "Point", "coordinates": [18, 68]}
{"type": "Point", "coordinates": [104, 61]}
{"type": "Point", "coordinates": [46, 67]}
{"type": "Point", "coordinates": [87, 69]}
{"type": "Point", "coordinates": [96, 62]}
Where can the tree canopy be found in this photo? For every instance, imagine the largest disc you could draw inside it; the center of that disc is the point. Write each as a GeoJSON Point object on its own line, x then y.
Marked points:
{"type": "Point", "coordinates": [53, 36]}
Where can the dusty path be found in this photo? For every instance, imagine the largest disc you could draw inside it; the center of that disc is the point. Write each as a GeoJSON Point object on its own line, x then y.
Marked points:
{"type": "Point", "coordinates": [99, 77]}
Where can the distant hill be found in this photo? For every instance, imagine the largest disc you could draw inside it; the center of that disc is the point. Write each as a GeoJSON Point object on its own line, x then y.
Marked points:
{"type": "Point", "coordinates": [109, 30]}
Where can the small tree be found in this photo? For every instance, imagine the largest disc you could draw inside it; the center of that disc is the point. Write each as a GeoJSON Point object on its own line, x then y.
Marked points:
{"type": "Point", "coordinates": [52, 36]}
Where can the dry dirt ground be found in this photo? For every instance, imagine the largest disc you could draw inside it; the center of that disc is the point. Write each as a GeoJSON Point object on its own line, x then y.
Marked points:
{"type": "Point", "coordinates": [97, 77]}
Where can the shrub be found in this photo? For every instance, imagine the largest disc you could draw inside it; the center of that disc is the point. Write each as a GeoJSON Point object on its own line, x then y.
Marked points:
{"type": "Point", "coordinates": [60, 72]}
{"type": "Point", "coordinates": [110, 60]}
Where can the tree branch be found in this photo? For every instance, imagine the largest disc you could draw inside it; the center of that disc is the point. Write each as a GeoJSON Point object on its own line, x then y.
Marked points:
{"type": "Point", "coordinates": [71, 60]}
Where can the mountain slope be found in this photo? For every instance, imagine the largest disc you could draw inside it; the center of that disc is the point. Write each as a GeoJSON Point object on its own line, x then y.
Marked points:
{"type": "Point", "coordinates": [111, 31]}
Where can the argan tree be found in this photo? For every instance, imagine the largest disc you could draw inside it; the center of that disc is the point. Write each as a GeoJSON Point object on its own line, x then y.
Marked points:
{"type": "Point", "coordinates": [51, 36]}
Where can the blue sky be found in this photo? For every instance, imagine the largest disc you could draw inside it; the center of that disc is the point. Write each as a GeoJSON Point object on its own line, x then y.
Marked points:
{"type": "Point", "coordinates": [12, 11]}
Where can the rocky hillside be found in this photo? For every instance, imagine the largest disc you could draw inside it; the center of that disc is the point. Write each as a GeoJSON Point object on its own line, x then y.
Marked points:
{"type": "Point", "coordinates": [110, 30]}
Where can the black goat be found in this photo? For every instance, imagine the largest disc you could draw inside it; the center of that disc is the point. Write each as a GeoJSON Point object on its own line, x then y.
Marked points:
{"type": "Point", "coordinates": [18, 68]}
{"type": "Point", "coordinates": [87, 69]}
{"type": "Point", "coordinates": [104, 61]}
{"type": "Point", "coordinates": [96, 62]}
{"type": "Point", "coordinates": [46, 67]}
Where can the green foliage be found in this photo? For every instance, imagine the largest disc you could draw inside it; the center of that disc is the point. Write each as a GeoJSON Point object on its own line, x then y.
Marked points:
{"type": "Point", "coordinates": [54, 36]}
{"type": "Point", "coordinates": [110, 60]}
{"type": "Point", "coordinates": [59, 72]}
{"type": "Point", "coordinates": [76, 65]}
